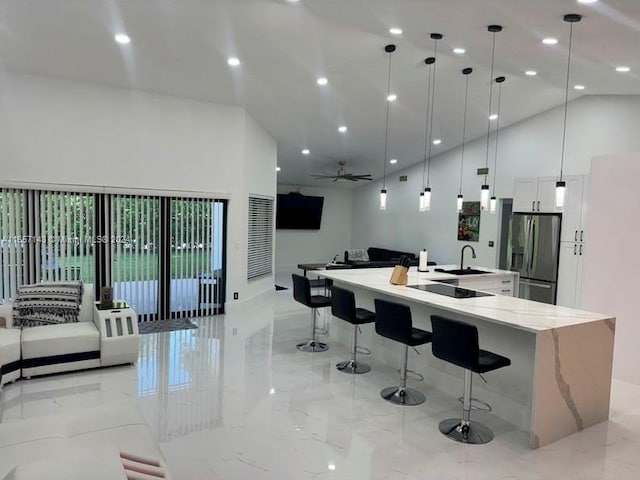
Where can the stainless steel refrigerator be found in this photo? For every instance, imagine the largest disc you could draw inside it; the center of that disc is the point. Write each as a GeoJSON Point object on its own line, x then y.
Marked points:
{"type": "Point", "coordinates": [533, 250]}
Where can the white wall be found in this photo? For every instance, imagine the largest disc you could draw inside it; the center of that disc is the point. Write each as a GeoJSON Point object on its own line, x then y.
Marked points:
{"type": "Point", "coordinates": [64, 132]}
{"type": "Point", "coordinates": [315, 246]}
{"type": "Point", "coordinates": [611, 262]}
{"type": "Point", "coordinates": [598, 125]}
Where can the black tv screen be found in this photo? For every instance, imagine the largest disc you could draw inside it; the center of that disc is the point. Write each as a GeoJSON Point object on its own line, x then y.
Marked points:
{"type": "Point", "coordinates": [299, 212]}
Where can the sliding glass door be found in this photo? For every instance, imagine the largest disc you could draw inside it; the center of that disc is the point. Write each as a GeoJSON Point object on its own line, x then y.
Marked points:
{"type": "Point", "coordinates": [162, 255]}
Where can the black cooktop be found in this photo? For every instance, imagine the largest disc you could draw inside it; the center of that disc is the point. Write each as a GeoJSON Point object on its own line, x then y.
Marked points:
{"type": "Point", "coordinates": [450, 291]}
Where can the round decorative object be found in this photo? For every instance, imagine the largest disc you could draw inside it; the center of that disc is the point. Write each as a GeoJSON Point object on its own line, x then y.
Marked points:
{"type": "Point", "coordinates": [572, 17]}
{"type": "Point", "coordinates": [390, 48]}
{"type": "Point", "coordinates": [467, 71]}
{"type": "Point", "coordinates": [430, 60]}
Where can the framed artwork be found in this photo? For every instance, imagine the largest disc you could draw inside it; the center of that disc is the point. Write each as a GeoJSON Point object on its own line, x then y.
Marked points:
{"type": "Point", "coordinates": [469, 222]}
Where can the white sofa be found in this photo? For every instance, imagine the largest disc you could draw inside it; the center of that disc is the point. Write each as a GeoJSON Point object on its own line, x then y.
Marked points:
{"type": "Point", "coordinates": [80, 445]}
{"type": "Point", "coordinates": [42, 350]}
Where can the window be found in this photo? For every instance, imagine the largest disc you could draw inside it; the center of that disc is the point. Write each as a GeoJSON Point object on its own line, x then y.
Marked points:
{"type": "Point", "coordinates": [260, 246]}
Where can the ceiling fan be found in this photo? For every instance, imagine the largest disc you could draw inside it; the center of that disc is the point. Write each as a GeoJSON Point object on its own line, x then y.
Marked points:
{"type": "Point", "coordinates": [343, 176]}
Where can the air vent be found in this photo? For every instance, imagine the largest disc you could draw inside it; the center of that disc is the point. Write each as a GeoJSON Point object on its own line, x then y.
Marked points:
{"type": "Point", "coordinates": [483, 171]}
{"type": "Point", "coordinates": [403, 178]}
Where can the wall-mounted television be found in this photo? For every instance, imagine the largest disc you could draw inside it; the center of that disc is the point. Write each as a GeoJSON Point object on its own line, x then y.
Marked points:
{"type": "Point", "coordinates": [299, 212]}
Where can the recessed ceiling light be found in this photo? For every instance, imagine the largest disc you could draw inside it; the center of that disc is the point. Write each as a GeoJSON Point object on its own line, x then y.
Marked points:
{"type": "Point", "coordinates": [550, 41]}
{"type": "Point", "coordinates": [122, 38]}
{"type": "Point", "coordinates": [342, 128]}
{"type": "Point", "coordinates": [579, 87]}
{"type": "Point", "coordinates": [322, 81]}
{"type": "Point", "coordinates": [392, 98]}
{"type": "Point", "coordinates": [331, 466]}
{"type": "Point", "coordinates": [293, 1]}
{"type": "Point", "coordinates": [623, 69]}
{"type": "Point", "coordinates": [233, 61]}
{"type": "Point", "coordinates": [437, 141]}
{"type": "Point", "coordinates": [587, 1]}
{"type": "Point", "coordinates": [277, 170]}
{"type": "Point", "coordinates": [459, 50]}
{"type": "Point", "coordinates": [395, 31]}
{"type": "Point", "coordinates": [531, 73]}
{"type": "Point", "coordinates": [306, 151]}
{"type": "Point", "coordinates": [393, 161]}
{"type": "Point", "coordinates": [493, 116]}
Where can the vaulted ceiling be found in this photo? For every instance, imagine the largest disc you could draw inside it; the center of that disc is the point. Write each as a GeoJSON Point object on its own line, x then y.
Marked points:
{"type": "Point", "coordinates": [181, 48]}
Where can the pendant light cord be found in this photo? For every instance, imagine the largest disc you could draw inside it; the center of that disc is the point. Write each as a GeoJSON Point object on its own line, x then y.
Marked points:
{"type": "Point", "coordinates": [566, 101]}
{"type": "Point", "coordinates": [493, 56]}
{"type": "Point", "coordinates": [433, 106]}
{"type": "Point", "coordinates": [464, 129]}
{"type": "Point", "coordinates": [386, 129]}
{"type": "Point", "coordinates": [426, 128]}
{"type": "Point", "coordinates": [495, 161]}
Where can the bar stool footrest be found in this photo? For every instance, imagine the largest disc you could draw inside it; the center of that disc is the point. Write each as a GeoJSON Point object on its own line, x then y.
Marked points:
{"type": "Point", "coordinates": [477, 404]}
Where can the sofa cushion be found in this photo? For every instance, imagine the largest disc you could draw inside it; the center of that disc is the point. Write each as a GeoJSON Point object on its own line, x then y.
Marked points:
{"type": "Point", "coordinates": [356, 255]}
{"type": "Point", "coordinates": [47, 303]}
{"type": "Point", "coordinates": [68, 338]}
{"type": "Point", "coordinates": [9, 345]}
{"type": "Point", "coordinates": [383, 254]}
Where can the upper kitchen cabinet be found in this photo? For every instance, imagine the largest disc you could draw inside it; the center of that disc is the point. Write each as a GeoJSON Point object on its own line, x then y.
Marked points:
{"type": "Point", "coordinates": [535, 195]}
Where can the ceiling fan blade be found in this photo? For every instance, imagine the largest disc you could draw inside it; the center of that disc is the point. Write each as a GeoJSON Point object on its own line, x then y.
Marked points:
{"type": "Point", "coordinates": [323, 176]}
{"type": "Point", "coordinates": [366, 176]}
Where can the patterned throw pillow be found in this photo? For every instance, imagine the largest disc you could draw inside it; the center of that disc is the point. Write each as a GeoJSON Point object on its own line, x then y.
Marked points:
{"type": "Point", "coordinates": [47, 304]}
{"type": "Point", "coordinates": [358, 255]}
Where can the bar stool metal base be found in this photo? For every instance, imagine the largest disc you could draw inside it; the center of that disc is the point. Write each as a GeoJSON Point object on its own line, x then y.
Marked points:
{"type": "Point", "coordinates": [312, 346]}
{"type": "Point", "coordinates": [473, 433]}
{"type": "Point", "coordinates": [402, 396]}
{"type": "Point", "coordinates": [350, 366]}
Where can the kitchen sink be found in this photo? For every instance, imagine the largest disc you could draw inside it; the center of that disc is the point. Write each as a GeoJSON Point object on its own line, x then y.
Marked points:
{"type": "Point", "coordinates": [465, 271]}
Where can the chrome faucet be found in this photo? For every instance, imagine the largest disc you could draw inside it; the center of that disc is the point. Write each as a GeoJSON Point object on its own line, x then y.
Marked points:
{"type": "Point", "coordinates": [473, 255]}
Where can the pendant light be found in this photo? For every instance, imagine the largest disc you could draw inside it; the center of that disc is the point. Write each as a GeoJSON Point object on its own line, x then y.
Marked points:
{"type": "Point", "coordinates": [493, 202]}
{"type": "Point", "coordinates": [466, 72]}
{"type": "Point", "coordinates": [383, 193]}
{"type": "Point", "coordinates": [425, 195]}
{"type": "Point", "coordinates": [484, 190]}
{"type": "Point", "coordinates": [561, 185]}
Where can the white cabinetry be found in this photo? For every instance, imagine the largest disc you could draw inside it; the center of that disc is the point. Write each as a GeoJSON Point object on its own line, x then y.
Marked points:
{"type": "Point", "coordinates": [502, 284]}
{"type": "Point", "coordinates": [570, 274]}
{"type": "Point", "coordinates": [574, 213]}
{"type": "Point", "coordinates": [573, 242]}
{"type": "Point", "coordinates": [534, 194]}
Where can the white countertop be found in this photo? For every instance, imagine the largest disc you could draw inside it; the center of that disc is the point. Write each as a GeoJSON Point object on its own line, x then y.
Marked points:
{"type": "Point", "coordinates": [507, 310]}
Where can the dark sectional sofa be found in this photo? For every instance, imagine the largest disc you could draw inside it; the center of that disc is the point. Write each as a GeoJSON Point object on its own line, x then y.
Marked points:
{"type": "Point", "coordinates": [382, 257]}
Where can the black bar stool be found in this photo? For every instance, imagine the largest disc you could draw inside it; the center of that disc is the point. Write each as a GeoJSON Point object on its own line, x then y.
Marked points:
{"type": "Point", "coordinates": [302, 294]}
{"type": "Point", "coordinates": [393, 320]}
{"type": "Point", "coordinates": [343, 306]}
{"type": "Point", "coordinates": [457, 342]}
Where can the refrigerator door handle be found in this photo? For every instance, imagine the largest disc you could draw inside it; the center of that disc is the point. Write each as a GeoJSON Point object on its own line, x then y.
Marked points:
{"type": "Point", "coordinates": [535, 284]}
{"type": "Point", "coordinates": [533, 245]}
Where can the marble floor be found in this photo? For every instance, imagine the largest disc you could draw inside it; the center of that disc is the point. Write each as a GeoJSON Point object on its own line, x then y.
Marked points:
{"type": "Point", "coordinates": [234, 400]}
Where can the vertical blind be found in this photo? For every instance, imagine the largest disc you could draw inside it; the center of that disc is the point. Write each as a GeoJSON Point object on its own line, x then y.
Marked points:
{"type": "Point", "coordinates": [260, 244]}
{"type": "Point", "coordinates": [12, 241]}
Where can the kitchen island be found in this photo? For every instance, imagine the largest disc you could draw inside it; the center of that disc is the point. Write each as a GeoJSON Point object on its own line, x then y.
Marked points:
{"type": "Point", "coordinates": [560, 378]}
